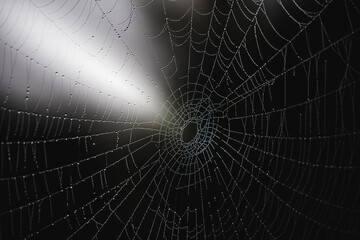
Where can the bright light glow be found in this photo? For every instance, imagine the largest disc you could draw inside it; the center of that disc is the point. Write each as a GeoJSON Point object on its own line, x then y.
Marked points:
{"type": "Point", "coordinates": [48, 41]}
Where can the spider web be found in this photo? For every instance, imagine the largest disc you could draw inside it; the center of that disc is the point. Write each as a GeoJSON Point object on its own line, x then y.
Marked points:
{"type": "Point", "coordinates": [96, 98]}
